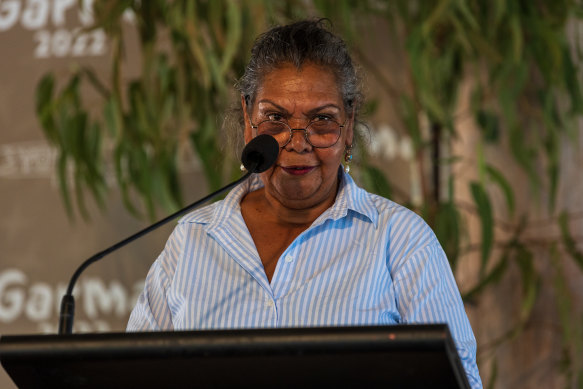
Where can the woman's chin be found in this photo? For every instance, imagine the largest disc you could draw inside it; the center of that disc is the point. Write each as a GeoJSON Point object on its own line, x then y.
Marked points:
{"type": "Point", "coordinates": [301, 197]}
{"type": "Point", "coordinates": [303, 190]}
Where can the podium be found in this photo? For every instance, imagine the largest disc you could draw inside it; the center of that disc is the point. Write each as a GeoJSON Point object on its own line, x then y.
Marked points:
{"type": "Point", "coordinates": [396, 356]}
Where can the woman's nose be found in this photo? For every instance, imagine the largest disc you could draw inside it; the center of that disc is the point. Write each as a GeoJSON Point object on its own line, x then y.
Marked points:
{"type": "Point", "coordinates": [299, 141]}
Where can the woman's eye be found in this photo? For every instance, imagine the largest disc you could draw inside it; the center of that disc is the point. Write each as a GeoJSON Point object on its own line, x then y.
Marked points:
{"type": "Point", "coordinates": [275, 117]}
{"type": "Point", "coordinates": [319, 118]}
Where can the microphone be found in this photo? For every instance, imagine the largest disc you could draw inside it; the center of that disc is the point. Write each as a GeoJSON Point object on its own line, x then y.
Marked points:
{"type": "Point", "coordinates": [258, 155]}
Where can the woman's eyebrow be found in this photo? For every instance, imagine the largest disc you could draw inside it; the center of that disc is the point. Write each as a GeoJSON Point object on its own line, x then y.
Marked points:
{"type": "Point", "coordinates": [279, 107]}
{"type": "Point", "coordinates": [323, 107]}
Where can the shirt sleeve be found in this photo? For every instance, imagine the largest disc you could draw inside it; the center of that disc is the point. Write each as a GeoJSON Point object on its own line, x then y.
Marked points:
{"type": "Point", "coordinates": [427, 293]}
{"type": "Point", "coordinates": [152, 311]}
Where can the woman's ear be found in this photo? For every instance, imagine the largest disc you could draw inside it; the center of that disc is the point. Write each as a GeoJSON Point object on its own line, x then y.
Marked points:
{"type": "Point", "coordinates": [248, 132]}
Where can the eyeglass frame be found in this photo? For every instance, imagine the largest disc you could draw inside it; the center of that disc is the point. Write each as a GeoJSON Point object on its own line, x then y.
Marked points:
{"type": "Point", "coordinates": [305, 130]}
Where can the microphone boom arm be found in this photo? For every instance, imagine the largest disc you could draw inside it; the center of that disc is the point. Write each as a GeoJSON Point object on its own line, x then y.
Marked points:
{"type": "Point", "coordinates": [67, 312]}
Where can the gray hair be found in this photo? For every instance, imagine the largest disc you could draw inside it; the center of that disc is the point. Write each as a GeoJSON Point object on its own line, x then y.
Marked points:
{"type": "Point", "coordinates": [307, 41]}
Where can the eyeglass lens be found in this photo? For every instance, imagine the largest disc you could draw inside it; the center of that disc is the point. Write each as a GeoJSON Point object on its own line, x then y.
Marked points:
{"type": "Point", "coordinates": [324, 133]}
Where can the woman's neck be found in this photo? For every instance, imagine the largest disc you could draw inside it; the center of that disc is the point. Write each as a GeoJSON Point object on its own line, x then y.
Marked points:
{"type": "Point", "coordinates": [288, 213]}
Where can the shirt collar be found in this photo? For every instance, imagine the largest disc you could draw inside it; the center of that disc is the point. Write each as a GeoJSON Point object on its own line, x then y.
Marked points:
{"type": "Point", "coordinates": [351, 198]}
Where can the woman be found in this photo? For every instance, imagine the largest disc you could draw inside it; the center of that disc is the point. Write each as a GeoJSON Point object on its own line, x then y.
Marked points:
{"type": "Point", "coordinates": [300, 244]}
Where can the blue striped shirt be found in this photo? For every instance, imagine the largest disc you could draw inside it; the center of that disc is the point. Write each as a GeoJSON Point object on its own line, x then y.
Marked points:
{"type": "Point", "coordinates": [364, 261]}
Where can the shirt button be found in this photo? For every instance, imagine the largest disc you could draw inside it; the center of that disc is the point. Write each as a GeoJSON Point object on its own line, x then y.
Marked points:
{"type": "Point", "coordinates": [269, 303]}
{"type": "Point", "coordinates": [289, 258]}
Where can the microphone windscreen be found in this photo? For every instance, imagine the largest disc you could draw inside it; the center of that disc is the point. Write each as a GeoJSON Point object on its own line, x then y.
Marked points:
{"type": "Point", "coordinates": [260, 153]}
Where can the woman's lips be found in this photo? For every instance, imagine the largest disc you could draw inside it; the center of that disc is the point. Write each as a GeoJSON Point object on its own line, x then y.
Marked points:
{"type": "Point", "coordinates": [297, 170]}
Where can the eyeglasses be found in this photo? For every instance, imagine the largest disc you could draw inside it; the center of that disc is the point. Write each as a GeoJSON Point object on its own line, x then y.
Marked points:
{"type": "Point", "coordinates": [320, 133]}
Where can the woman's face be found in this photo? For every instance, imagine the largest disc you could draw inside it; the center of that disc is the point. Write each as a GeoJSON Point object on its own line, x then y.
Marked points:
{"type": "Point", "coordinates": [303, 176]}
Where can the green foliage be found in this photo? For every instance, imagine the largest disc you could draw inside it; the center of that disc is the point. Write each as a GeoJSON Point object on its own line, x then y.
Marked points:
{"type": "Point", "coordinates": [190, 54]}
{"type": "Point", "coordinates": [491, 278]}
{"type": "Point", "coordinates": [448, 230]}
{"type": "Point", "coordinates": [375, 179]}
{"type": "Point", "coordinates": [77, 139]}
{"type": "Point", "coordinates": [571, 324]}
{"type": "Point", "coordinates": [498, 178]}
{"type": "Point", "coordinates": [568, 240]}
{"type": "Point", "coordinates": [525, 92]}
{"type": "Point", "coordinates": [486, 219]}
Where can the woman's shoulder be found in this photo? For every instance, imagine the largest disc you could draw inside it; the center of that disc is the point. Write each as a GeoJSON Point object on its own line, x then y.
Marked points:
{"type": "Point", "coordinates": [392, 209]}
{"type": "Point", "coordinates": [384, 212]}
{"type": "Point", "coordinates": [400, 222]}
{"type": "Point", "coordinates": [222, 209]}
{"type": "Point", "coordinates": [389, 209]}
{"type": "Point", "coordinates": [203, 215]}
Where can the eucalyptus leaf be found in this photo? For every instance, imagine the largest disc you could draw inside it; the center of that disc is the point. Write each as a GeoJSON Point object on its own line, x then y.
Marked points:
{"type": "Point", "coordinates": [530, 281]}
{"type": "Point", "coordinates": [197, 51]}
{"type": "Point", "coordinates": [216, 76]}
{"type": "Point", "coordinates": [447, 230]}
{"type": "Point", "coordinates": [490, 125]}
{"type": "Point", "coordinates": [570, 322]}
{"type": "Point", "coordinates": [436, 16]}
{"type": "Point", "coordinates": [120, 164]}
{"type": "Point", "coordinates": [553, 164]}
{"type": "Point", "coordinates": [572, 81]}
{"type": "Point", "coordinates": [524, 155]}
{"type": "Point", "coordinates": [568, 240]}
{"type": "Point", "coordinates": [112, 117]}
{"type": "Point", "coordinates": [206, 152]}
{"type": "Point", "coordinates": [79, 193]}
{"type": "Point", "coordinates": [490, 279]}
{"type": "Point", "coordinates": [44, 107]}
{"type": "Point", "coordinates": [493, 374]}
{"type": "Point", "coordinates": [498, 178]}
{"type": "Point", "coordinates": [516, 38]}
{"type": "Point", "coordinates": [467, 16]}
{"type": "Point", "coordinates": [233, 38]}
{"type": "Point", "coordinates": [410, 115]}
{"type": "Point", "coordinates": [63, 182]}
{"type": "Point", "coordinates": [482, 201]}
{"type": "Point", "coordinates": [375, 179]}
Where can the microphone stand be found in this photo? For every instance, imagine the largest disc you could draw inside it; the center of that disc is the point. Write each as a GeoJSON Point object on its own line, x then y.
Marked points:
{"type": "Point", "coordinates": [67, 313]}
